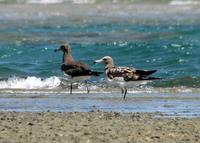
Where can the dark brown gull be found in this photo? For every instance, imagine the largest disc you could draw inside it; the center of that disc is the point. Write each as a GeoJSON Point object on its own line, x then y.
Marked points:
{"type": "Point", "coordinates": [74, 71]}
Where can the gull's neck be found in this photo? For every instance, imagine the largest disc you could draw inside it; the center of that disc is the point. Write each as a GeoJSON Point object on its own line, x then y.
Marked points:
{"type": "Point", "coordinates": [67, 58]}
{"type": "Point", "coordinates": [109, 65]}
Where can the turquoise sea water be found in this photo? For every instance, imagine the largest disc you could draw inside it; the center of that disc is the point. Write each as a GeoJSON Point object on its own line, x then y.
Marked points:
{"type": "Point", "coordinates": [159, 36]}
{"type": "Point", "coordinates": [166, 42]}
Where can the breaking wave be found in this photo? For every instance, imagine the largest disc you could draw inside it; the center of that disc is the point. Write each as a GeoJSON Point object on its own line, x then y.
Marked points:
{"type": "Point", "coordinates": [30, 82]}
{"type": "Point", "coordinates": [60, 1]}
{"type": "Point", "coordinates": [185, 2]}
{"type": "Point", "coordinates": [45, 1]}
{"type": "Point", "coordinates": [54, 84]}
{"type": "Point", "coordinates": [171, 2]}
{"type": "Point", "coordinates": [49, 1]}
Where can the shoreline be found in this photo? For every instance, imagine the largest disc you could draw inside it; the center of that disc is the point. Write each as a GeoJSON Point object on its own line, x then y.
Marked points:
{"type": "Point", "coordinates": [96, 127]}
{"type": "Point", "coordinates": [169, 104]}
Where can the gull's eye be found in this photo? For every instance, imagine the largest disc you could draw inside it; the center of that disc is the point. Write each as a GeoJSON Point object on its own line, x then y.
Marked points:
{"type": "Point", "coordinates": [104, 59]}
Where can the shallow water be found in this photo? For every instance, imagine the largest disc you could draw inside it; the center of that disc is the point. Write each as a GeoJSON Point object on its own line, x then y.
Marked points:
{"type": "Point", "coordinates": [145, 36]}
{"type": "Point", "coordinates": [169, 105]}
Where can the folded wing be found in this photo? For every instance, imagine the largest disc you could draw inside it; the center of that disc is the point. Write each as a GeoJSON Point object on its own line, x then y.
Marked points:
{"type": "Point", "coordinates": [129, 74]}
{"type": "Point", "coordinates": [78, 69]}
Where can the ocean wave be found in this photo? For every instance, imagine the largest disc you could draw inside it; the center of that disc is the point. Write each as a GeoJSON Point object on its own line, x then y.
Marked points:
{"type": "Point", "coordinates": [186, 81]}
{"type": "Point", "coordinates": [185, 2]}
{"type": "Point", "coordinates": [58, 85]}
{"type": "Point", "coordinates": [60, 1]}
{"type": "Point", "coordinates": [172, 2]}
{"type": "Point", "coordinates": [44, 1]}
{"type": "Point", "coordinates": [30, 82]}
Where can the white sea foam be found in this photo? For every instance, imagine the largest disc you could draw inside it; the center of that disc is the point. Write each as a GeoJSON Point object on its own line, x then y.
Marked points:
{"type": "Point", "coordinates": [45, 1]}
{"type": "Point", "coordinates": [60, 1]}
{"type": "Point", "coordinates": [30, 83]}
{"type": "Point", "coordinates": [83, 1]}
{"type": "Point", "coordinates": [184, 2]}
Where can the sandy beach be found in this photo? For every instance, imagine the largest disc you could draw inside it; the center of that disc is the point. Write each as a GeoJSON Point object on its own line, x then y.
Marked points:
{"type": "Point", "coordinates": [89, 127]}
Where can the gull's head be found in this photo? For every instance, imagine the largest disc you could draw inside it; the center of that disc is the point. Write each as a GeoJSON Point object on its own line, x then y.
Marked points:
{"type": "Point", "coordinates": [64, 48]}
{"type": "Point", "coordinates": [107, 60]}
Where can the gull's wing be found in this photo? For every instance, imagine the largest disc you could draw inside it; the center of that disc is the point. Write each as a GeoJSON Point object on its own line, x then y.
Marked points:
{"type": "Point", "coordinates": [128, 74]}
{"type": "Point", "coordinates": [78, 70]}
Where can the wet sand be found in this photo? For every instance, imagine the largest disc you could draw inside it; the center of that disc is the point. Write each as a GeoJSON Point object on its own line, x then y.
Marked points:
{"type": "Point", "coordinates": [89, 127]}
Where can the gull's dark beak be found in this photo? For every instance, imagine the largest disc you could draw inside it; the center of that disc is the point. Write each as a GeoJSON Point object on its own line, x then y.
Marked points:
{"type": "Point", "coordinates": [56, 50]}
{"type": "Point", "coordinates": [94, 62]}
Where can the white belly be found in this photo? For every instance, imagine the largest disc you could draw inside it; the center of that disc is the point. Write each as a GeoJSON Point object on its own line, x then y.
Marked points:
{"type": "Point", "coordinates": [121, 83]}
{"type": "Point", "coordinates": [81, 78]}
{"type": "Point", "coordinates": [77, 78]}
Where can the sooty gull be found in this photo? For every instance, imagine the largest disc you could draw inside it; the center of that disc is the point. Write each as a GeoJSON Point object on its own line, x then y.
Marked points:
{"type": "Point", "coordinates": [75, 71]}
{"type": "Point", "coordinates": [125, 76]}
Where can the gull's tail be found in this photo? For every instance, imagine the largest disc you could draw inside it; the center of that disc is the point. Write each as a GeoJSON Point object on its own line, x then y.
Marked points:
{"type": "Point", "coordinates": [145, 73]}
{"type": "Point", "coordinates": [154, 78]}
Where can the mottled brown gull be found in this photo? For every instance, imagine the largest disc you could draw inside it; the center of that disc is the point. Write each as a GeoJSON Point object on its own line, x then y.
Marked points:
{"type": "Point", "coordinates": [125, 76]}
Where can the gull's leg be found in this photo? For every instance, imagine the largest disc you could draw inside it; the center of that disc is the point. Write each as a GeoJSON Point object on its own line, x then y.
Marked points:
{"type": "Point", "coordinates": [122, 91]}
{"type": "Point", "coordinates": [70, 88]}
{"type": "Point", "coordinates": [125, 92]}
{"type": "Point", "coordinates": [86, 84]}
